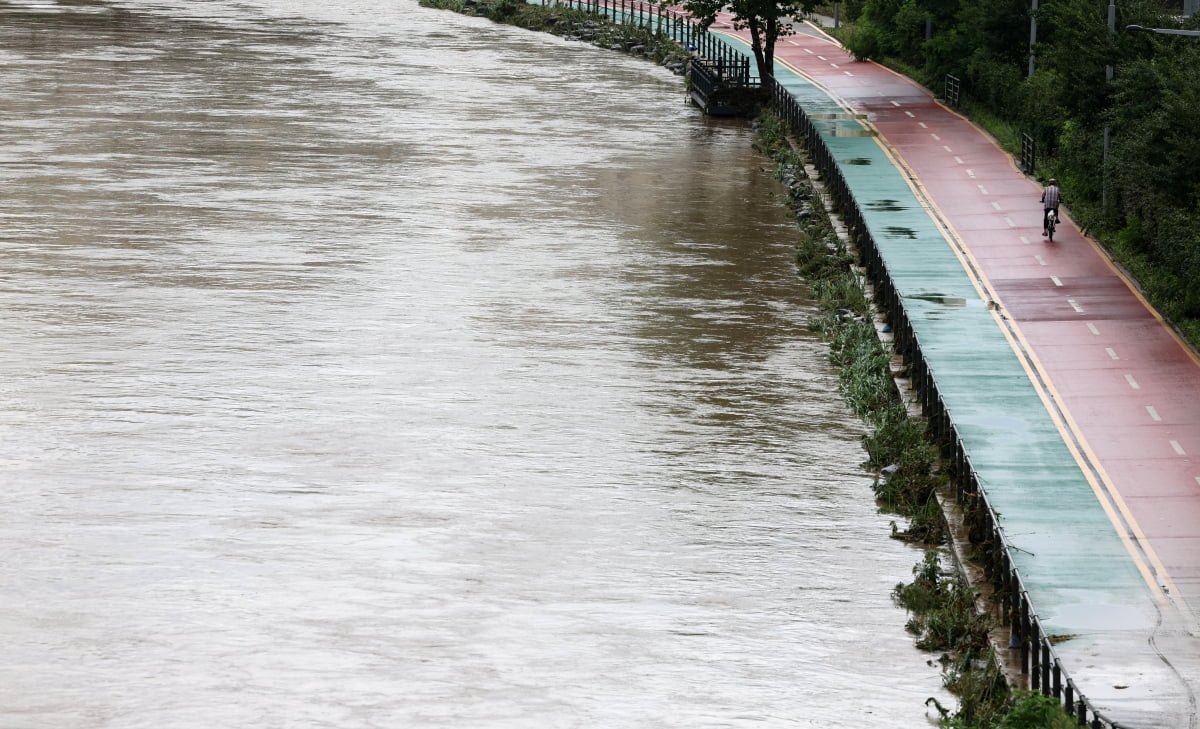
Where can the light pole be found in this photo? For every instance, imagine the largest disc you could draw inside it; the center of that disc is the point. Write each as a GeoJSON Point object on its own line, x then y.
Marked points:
{"type": "Point", "coordinates": [1162, 31]}
{"type": "Point", "coordinates": [1032, 34]}
{"type": "Point", "coordinates": [1108, 76]}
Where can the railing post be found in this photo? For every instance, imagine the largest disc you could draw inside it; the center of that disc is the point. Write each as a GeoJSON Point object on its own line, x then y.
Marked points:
{"type": "Point", "coordinates": [1035, 657]}
{"type": "Point", "coordinates": [1057, 675]}
{"type": "Point", "coordinates": [1026, 638]}
{"type": "Point", "coordinates": [1045, 666]}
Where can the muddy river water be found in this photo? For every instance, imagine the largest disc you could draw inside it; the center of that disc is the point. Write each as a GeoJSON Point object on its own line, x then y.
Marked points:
{"type": "Point", "coordinates": [365, 365]}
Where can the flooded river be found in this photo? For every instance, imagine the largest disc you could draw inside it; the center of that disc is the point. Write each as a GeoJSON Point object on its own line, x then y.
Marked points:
{"type": "Point", "coordinates": [373, 366]}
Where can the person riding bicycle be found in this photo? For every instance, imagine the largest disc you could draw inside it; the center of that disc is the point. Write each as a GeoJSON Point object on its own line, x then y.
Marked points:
{"type": "Point", "coordinates": [1051, 198]}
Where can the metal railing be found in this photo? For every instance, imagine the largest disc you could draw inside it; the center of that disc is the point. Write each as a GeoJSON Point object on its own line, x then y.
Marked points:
{"type": "Point", "coordinates": [708, 77]}
{"type": "Point", "coordinates": [953, 90]}
{"type": "Point", "coordinates": [1028, 153]}
{"type": "Point", "coordinates": [1039, 661]}
{"type": "Point", "coordinates": [721, 59]}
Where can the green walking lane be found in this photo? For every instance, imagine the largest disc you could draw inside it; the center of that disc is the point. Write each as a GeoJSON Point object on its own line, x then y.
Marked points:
{"type": "Point", "coordinates": [1078, 407]}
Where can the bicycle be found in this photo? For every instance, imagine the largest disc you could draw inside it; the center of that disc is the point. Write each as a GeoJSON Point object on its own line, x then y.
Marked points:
{"type": "Point", "coordinates": [1051, 223]}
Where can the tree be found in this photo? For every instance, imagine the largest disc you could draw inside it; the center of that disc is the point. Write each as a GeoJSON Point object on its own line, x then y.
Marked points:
{"type": "Point", "coordinates": [767, 21]}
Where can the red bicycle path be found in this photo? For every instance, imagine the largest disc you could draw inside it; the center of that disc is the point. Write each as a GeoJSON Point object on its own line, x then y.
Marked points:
{"type": "Point", "coordinates": [1126, 386]}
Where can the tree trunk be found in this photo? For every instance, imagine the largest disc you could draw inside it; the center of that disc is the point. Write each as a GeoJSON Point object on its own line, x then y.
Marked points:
{"type": "Point", "coordinates": [760, 51]}
{"type": "Point", "coordinates": [769, 50]}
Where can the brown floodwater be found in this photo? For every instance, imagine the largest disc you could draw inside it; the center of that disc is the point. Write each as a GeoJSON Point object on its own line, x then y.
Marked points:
{"type": "Point", "coordinates": [373, 366]}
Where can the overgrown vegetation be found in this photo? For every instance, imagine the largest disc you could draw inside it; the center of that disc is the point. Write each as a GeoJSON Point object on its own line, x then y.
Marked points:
{"type": "Point", "coordinates": [897, 447]}
{"type": "Point", "coordinates": [943, 610]}
{"type": "Point", "coordinates": [1141, 199]}
{"type": "Point", "coordinates": [767, 21]}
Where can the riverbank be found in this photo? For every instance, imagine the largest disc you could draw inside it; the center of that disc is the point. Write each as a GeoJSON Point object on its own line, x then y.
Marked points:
{"type": "Point", "coordinates": [574, 24]}
{"type": "Point", "coordinates": [909, 470]}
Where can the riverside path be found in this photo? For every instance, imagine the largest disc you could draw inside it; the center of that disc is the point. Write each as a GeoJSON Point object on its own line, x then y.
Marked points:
{"type": "Point", "coordinates": [1077, 404]}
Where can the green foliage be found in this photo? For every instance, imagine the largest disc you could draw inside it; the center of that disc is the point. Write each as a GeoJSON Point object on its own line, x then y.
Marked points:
{"type": "Point", "coordinates": [1006, 133]}
{"type": "Point", "coordinates": [767, 21]}
{"type": "Point", "coordinates": [987, 703]}
{"type": "Point", "coordinates": [1031, 710]}
{"type": "Point", "coordinates": [1041, 102]}
{"type": "Point", "coordinates": [984, 697]}
{"type": "Point", "coordinates": [1152, 106]}
{"type": "Point", "coordinates": [862, 40]}
{"type": "Point", "coordinates": [942, 608]}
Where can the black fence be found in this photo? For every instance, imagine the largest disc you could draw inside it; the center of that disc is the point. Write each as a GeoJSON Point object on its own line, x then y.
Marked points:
{"type": "Point", "coordinates": [724, 63]}
{"type": "Point", "coordinates": [709, 77]}
{"type": "Point", "coordinates": [1028, 153]}
{"type": "Point", "coordinates": [953, 90]}
{"type": "Point", "coordinates": [1039, 662]}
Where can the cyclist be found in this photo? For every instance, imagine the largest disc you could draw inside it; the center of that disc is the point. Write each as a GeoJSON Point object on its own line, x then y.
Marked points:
{"type": "Point", "coordinates": [1051, 198]}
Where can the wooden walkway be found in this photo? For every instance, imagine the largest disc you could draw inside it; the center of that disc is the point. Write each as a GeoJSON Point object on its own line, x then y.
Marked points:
{"type": "Point", "coordinates": [1108, 513]}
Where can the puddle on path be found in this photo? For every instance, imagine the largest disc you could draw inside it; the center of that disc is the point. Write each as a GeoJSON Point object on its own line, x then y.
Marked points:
{"type": "Point", "coordinates": [899, 232]}
{"type": "Point", "coordinates": [940, 299]}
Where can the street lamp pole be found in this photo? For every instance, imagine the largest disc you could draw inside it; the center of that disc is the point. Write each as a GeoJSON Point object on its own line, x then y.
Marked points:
{"type": "Point", "coordinates": [1032, 35]}
{"type": "Point", "coordinates": [1163, 31]}
{"type": "Point", "coordinates": [1108, 76]}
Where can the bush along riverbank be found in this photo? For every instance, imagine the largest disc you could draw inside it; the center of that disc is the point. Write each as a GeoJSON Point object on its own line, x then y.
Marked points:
{"type": "Point", "coordinates": [947, 614]}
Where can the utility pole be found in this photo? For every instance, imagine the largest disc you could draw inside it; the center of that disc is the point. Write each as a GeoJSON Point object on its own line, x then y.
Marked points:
{"type": "Point", "coordinates": [1108, 76]}
{"type": "Point", "coordinates": [1033, 34]}
{"type": "Point", "coordinates": [1112, 28]}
